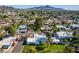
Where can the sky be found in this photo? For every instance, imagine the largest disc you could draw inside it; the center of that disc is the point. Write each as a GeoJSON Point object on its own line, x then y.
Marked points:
{"type": "Point", "coordinates": [66, 7]}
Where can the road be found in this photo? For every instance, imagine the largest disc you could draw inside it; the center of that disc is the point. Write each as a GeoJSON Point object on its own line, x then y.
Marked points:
{"type": "Point", "coordinates": [18, 47]}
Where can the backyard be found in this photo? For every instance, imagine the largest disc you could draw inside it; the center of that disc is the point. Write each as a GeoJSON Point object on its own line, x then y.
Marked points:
{"type": "Point", "coordinates": [49, 49]}
{"type": "Point", "coordinates": [56, 49]}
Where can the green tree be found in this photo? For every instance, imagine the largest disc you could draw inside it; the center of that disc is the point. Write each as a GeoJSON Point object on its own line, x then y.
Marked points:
{"type": "Point", "coordinates": [74, 34]}
{"type": "Point", "coordinates": [30, 50]}
{"type": "Point", "coordinates": [12, 28]}
{"type": "Point", "coordinates": [37, 24]}
{"type": "Point", "coordinates": [5, 16]}
{"type": "Point", "coordinates": [49, 38]}
{"type": "Point", "coordinates": [41, 47]}
{"type": "Point", "coordinates": [69, 49]}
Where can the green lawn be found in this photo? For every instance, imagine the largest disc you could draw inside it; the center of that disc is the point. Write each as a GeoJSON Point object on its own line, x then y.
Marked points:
{"type": "Point", "coordinates": [50, 49]}
{"type": "Point", "coordinates": [56, 49]}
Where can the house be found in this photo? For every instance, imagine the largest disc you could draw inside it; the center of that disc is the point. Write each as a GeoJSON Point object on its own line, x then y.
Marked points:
{"type": "Point", "coordinates": [22, 29]}
{"type": "Point", "coordinates": [3, 23]}
{"type": "Point", "coordinates": [42, 28]}
{"type": "Point", "coordinates": [69, 21]}
{"type": "Point", "coordinates": [74, 26]}
{"type": "Point", "coordinates": [63, 34]}
{"type": "Point", "coordinates": [16, 19]}
{"type": "Point", "coordinates": [36, 39]}
{"type": "Point", "coordinates": [61, 27]}
{"type": "Point", "coordinates": [6, 42]}
{"type": "Point", "coordinates": [46, 28]}
{"type": "Point", "coordinates": [54, 40]}
{"type": "Point", "coordinates": [56, 21]}
{"type": "Point", "coordinates": [30, 22]}
{"type": "Point", "coordinates": [48, 22]}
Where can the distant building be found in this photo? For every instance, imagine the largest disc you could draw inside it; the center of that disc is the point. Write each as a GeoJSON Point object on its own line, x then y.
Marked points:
{"type": "Point", "coordinates": [46, 28]}
{"type": "Point", "coordinates": [22, 29]}
{"type": "Point", "coordinates": [61, 27]}
{"type": "Point", "coordinates": [30, 22]}
{"type": "Point", "coordinates": [16, 19]}
{"type": "Point", "coordinates": [43, 28]}
{"type": "Point", "coordinates": [74, 26]}
{"type": "Point", "coordinates": [4, 23]}
{"type": "Point", "coordinates": [63, 35]}
{"type": "Point", "coordinates": [48, 22]}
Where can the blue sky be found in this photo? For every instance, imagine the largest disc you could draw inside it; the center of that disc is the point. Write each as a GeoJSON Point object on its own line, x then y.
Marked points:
{"type": "Point", "coordinates": [67, 7]}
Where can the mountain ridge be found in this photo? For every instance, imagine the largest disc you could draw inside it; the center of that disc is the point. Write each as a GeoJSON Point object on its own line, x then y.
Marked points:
{"type": "Point", "coordinates": [47, 7]}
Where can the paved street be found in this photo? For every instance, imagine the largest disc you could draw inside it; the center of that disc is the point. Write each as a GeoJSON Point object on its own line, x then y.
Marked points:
{"type": "Point", "coordinates": [18, 47]}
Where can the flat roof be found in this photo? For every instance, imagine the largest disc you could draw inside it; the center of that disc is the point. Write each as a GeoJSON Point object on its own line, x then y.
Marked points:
{"type": "Point", "coordinates": [63, 33]}
{"type": "Point", "coordinates": [7, 41]}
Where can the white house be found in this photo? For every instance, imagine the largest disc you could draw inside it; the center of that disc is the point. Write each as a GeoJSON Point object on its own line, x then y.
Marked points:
{"type": "Point", "coordinates": [7, 41]}
{"type": "Point", "coordinates": [54, 40]}
{"type": "Point", "coordinates": [22, 29]}
{"type": "Point", "coordinates": [37, 39]}
{"type": "Point", "coordinates": [63, 34]}
{"type": "Point", "coordinates": [74, 26]}
{"type": "Point", "coordinates": [60, 26]}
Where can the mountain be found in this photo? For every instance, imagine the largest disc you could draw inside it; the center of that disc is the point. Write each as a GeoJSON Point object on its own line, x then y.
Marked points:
{"type": "Point", "coordinates": [7, 8]}
{"type": "Point", "coordinates": [47, 7]}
